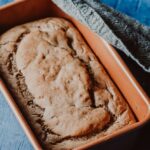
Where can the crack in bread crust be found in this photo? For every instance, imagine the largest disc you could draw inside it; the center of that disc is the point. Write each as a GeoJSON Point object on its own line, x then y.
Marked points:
{"type": "Point", "coordinates": [103, 97]}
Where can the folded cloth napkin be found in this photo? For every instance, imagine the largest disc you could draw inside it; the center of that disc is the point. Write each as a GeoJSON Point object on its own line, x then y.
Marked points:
{"type": "Point", "coordinates": [138, 9]}
{"type": "Point", "coordinates": [122, 32]}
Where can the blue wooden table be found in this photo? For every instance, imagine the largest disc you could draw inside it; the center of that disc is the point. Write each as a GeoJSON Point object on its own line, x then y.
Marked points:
{"type": "Point", "coordinates": [11, 135]}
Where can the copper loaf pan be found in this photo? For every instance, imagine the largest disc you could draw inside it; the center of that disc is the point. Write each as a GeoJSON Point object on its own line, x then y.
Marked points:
{"type": "Point", "coordinates": [28, 10]}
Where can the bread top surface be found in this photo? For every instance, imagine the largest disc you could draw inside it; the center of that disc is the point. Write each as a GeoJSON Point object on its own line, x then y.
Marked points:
{"type": "Point", "coordinates": [64, 78]}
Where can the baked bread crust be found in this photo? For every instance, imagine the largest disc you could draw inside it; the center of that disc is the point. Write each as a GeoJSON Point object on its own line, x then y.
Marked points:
{"type": "Point", "coordinates": [59, 83]}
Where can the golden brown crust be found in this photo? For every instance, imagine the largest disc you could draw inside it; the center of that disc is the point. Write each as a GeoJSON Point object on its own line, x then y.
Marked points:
{"type": "Point", "coordinates": [67, 96]}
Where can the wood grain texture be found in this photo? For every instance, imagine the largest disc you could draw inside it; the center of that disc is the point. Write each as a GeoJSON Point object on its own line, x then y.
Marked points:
{"type": "Point", "coordinates": [11, 135]}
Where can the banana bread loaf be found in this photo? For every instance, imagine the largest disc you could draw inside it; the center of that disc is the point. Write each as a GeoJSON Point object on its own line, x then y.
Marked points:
{"type": "Point", "coordinates": [60, 85]}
